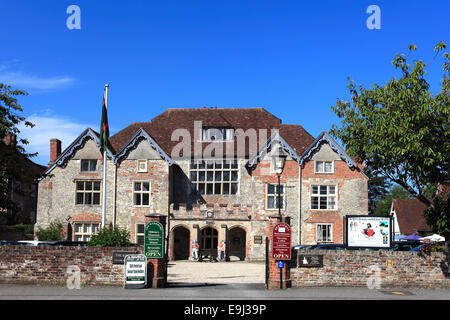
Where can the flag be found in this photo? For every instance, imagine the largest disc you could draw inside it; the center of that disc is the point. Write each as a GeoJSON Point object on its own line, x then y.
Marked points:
{"type": "Point", "coordinates": [104, 127]}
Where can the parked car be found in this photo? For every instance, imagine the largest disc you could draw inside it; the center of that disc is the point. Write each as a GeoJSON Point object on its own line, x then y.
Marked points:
{"type": "Point", "coordinates": [36, 243]}
{"type": "Point", "coordinates": [328, 246]}
{"type": "Point", "coordinates": [70, 243]}
{"type": "Point", "coordinates": [402, 246]}
{"type": "Point", "coordinates": [9, 243]}
{"type": "Point", "coordinates": [422, 247]}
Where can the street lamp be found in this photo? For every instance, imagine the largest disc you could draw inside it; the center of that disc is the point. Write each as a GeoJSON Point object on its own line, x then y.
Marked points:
{"type": "Point", "coordinates": [278, 161]}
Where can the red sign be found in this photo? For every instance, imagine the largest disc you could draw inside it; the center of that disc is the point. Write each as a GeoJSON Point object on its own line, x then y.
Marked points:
{"type": "Point", "coordinates": [281, 247]}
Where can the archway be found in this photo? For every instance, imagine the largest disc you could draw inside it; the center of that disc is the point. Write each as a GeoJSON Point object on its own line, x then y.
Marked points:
{"type": "Point", "coordinates": [237, 242]}
{"type": "Point", "coordinates": [181, 243]}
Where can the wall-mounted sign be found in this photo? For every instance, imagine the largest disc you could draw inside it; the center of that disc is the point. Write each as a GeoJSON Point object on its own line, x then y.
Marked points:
{"type": "Point", "coordinates": [119, 256]}
{"type": "Point", "coordinates": [154, 240]}
{"type": "Point", "coordinates": [310, 260]}
{"type": "Point", "coordinates": [368, 231]}
{"type": "Point", "coordinates": [281, 247]}
{"type": "Point", "coordinates": [257, 239]}
{"type": "Point", "coordinates": [135, 271]}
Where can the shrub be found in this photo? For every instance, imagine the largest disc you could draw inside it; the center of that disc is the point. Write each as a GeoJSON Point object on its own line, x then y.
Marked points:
{"type": "Point", "coordinates": [25, 228]}
{"type": "Point", "coordinates": [52, 233]}
{"type": "Point", "coordinates": [110, 237]}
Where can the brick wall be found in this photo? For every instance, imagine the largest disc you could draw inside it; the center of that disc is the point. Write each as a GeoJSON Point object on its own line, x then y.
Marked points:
{"type": "Point", "coordinates": [348, 268]}
{"type": "Point", "coordinates": [48, 264]}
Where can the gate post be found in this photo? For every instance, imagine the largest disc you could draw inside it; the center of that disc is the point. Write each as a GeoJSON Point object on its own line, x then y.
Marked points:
{"type": "Point", "coordinates": [156, 268]}
{"type": "Point", "coordinates": [273, 278]}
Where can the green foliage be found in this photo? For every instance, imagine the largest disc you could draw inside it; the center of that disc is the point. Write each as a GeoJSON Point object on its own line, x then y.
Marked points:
{"type": "Point", "coordinates": [10, 164]}
{"type": "Point", "coordinates": [110, 237]}
{"type": "Point", "coordinates": [438, 216]}
{"type": "Point", "coordinates": [52, 233]}
{"type": "Point", "coordinates": [383, 207]}
{"type": "Point", "coordinates": [26, 228]}
{"type": "Point", "coordinates": [401, 130]}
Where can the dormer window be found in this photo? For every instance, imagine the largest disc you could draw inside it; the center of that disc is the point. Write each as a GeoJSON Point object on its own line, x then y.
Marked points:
{"type": "Point", "coordinates": [217, 134]}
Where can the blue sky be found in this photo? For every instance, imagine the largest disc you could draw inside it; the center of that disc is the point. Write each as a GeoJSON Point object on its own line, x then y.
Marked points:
{"type": "Point", "coordinates": [290, 57]}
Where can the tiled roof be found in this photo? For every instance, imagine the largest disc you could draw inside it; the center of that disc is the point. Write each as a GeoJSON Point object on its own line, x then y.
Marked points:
{"type": "Point", "coordinates": [162, 127]}
{"type": "Point", "coordinates": [410, 217]}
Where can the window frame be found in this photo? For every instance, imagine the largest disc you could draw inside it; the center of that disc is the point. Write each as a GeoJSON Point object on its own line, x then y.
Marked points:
{"type": "Point", "coordinates": [84, 234]}
{"type": "Point", "coordinates": [327, 196]}
{"type": "Point", "coordinates": [140, 234]}
{"type": "Point", "coordinates": [89, 165]}
{"type": "Point", "coordinates": [233, 172]}
{"type": "Point", "coordinates": [329, 232]}
{"type": "Point", "coordinates": [323, 162]}
{"type": "Point", "coordinates": [141, 192]}
{"type": "Point", "coordinates": [138, 162]}
{"type": "Point", "coordinates": [275, 196]}
{"type": "Point", "coordinates": [227, 134]}
{"type": "Point", "coordinates": [84, 192]}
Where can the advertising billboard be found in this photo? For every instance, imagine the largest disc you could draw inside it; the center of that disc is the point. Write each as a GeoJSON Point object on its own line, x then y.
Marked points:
{"type": "Point", "coordinates": [368, 231]}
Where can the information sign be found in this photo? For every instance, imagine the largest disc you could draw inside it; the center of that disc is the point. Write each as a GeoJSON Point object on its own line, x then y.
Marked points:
{"type": "Point", "coordinates": [282, 242]}
{"type": "Point", "coordinates": [154, 240]}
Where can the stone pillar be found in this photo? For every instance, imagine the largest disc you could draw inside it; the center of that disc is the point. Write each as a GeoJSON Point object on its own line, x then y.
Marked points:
{"type": "Point", "coordinates": [156, 268]}
{"type": "Point", "coordinates": [274, 271]}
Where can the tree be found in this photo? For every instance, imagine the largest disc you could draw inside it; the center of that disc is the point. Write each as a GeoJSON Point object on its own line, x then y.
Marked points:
{"type": "Point", "coordinates": [10, 156]}
{"type": "Point", "coordinates": [401, 129]}
{"type": "Point", "coordinates": [378, 188]}
{"type": "Point", "coordinates": [383, 207]}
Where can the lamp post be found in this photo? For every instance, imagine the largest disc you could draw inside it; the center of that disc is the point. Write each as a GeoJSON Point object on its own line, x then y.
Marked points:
{"type": "Point", "coordinates": [278, 161]}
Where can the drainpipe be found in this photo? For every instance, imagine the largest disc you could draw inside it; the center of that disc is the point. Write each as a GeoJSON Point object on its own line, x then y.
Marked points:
{"type": "Point", "coordinates": [114, 194]}
{"type": "Point", "coordinates": [299, 204]}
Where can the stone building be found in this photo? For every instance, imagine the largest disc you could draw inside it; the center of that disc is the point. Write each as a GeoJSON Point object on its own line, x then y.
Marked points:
{"type": "Point", "coordinates": [210, 170]}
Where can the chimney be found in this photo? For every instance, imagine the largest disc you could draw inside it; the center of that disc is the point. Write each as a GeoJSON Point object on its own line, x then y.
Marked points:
{"type": "Point", "coordinates": [10, 140]}
{"type": "Point", "coordinates": [55, 150]}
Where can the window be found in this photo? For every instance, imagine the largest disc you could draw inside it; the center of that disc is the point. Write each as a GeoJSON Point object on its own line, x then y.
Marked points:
{"type": "Point", "coordinates": [83, 231]}
{"type": "Point", "coordinates": [215, 177]}
{"type": "Point", "coordinates": [87, 192]}
{"type": "Point", "coordinates": [324, 167]}
{"type": "Point", "coordinates": [88, 165]}
{"type": "Point", "coordinates": [141, 193]}
{"type": "Point", "coordinates": [323, 197]}
{"type": "Point", "coordinates": [272, 197]}
{"type": "Point", "coordinates": [142, 165]}
{"type": "Point", "coordinates": [217, 134]}
{"type": "Point", "coordinates": [324, 233]}
{"type": "Point", "coordinates": [140, 233]}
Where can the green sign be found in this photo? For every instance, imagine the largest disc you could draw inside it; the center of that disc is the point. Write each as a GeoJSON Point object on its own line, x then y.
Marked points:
{"type": "Point", "coordinates": [154, 240]}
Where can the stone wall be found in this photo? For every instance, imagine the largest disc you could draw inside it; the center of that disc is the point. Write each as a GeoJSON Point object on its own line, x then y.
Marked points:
{"type": "Point", "coordinates": [386, 269]}
{"type": "Point", "coordinates": [48, 264]}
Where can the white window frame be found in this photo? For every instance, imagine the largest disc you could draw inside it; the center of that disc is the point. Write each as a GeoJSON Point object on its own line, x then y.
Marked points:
{"type": "Point", "coordinates": [329, 226]}
{"type": "Point", "coordinates": [143, 168]}
{"type": "Point", "coordinates": [323, 166]}
{"type": "Point", "coordinates": [204, 168]}
{"type": "Point", "coordinates": [85, 235]}
{"type": "Point", "coordinates": [140, 234]}
{"type": "Point", "coordinates": [275, 196]}
{"type": "Point", "coordinates": [327, 195]}
{"type": "Point", "coordinates": [141, 192]}
{"type": "Point", "coordinates": [226, 134]}
{"type": "Point", "coordinates": [84, 191]}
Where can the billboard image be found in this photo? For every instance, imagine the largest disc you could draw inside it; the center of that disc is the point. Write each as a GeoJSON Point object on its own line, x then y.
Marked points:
{"type": "Point", "coordinates": [368, 231]}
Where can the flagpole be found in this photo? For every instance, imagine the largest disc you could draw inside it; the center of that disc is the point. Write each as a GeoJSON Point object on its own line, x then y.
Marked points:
{"type": "Point", "coordinates": [104, 168]}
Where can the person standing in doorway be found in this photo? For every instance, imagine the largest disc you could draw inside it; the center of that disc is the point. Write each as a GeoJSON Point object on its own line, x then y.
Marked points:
{"type": "Point", "coordinates": [195, 247]}
{"type": "Point", "coordinates": [222, 250]}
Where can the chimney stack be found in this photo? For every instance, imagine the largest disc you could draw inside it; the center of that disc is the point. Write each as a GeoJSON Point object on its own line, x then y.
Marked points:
{"type": "Point", "coordinates": [55, 150]}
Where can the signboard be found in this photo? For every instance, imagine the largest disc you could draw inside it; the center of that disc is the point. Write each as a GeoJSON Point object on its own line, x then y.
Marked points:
{"type": "Point", "coordinates": [119, 256]}
{"type": "Point", "coordinates": [310, 260]}
{"type": "Point", "coordinates": [154, 240]}
{"type": "Point", "coordinates": [281, 264]}
{"type": "Point", "coordinates": [281, 248]}
{"type": "Point", "coordinates": [368, 231]}
{"type": "Point", "coordinates": [135, 271]}
{"type": "Point", "coordinates": [257, 239]}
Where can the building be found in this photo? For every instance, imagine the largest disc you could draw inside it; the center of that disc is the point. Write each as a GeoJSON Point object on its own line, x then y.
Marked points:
{"type": "Point", "coordinates": [211, 171]}
{"type": "Point", "coordinates": [408, 217]}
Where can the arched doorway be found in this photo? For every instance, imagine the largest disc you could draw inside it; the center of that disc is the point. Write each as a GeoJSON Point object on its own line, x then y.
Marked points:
{"type": "Point", "coordinates": [209, 242]}
{"type": "Point", "coordinates": [237, 243]}
{"type": "Point", "coordinates": [181, 245]}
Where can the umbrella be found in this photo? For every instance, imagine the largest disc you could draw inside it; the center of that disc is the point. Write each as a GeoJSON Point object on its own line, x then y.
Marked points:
{"type": "Point", "coordinates": [412, 236]}
{"type": "Point", "coordinates": [435, 238]}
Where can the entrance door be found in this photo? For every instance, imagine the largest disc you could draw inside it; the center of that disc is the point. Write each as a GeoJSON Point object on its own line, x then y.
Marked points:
{"type": "Point", "coordinates": [181, 239]}
{"type": "Point", "coordinates": [237, 243]}
{"type": "Point", "coordinates": [209, 242]}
